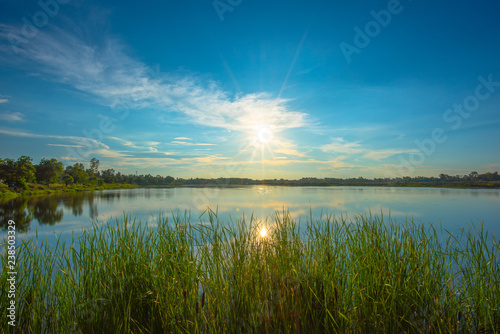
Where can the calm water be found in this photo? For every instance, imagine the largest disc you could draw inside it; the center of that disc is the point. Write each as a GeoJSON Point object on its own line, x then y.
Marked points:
{"type": "Point", "coordinates": [68, 213]}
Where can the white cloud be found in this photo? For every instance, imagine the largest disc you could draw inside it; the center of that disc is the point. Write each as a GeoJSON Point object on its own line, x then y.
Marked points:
{"type": "Point", "coordinates": [190, 144]}
{"type": "Point", "coordinates": [111, 154]}
{"type": "Point", "coordinates": [126, 142]}
{"type": "Point", "coordinates": [148, 147]}
{"type": "Point", "coordinates": [4, 101]}
{"type": "Point", "coordinates": [11, 116]}
{"type": "Point", "coordinates": [79, 141]}
{"type": "Point", "coordinates": [339, 145]}
{"type": "Point", "coordinates": [282, 146]}
{"type": "Point", "coordinates": [289, 151]}
{"type": "Point", "coordinates": [494, 166]}
{"type": "Point", "coordinates": [182, 138]}
{"type": "Point", "coordinates": [63, 145]}
{"type": "Point", "coordinates": [379, 155]}
{"type": "Point", "coordinates": [118, 80]}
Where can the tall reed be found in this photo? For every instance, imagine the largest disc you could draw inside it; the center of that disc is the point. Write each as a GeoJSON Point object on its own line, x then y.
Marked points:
{"type": "Point", "coordinates": [368, 274]}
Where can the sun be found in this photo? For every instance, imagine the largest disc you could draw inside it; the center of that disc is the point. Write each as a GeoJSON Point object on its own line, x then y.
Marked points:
{"type": "Point", "coordinates": [263, 135]}
{"type": "Point", "coordinates": [260, 140]}
{"type": "Point", "coordinates": [263, 232]}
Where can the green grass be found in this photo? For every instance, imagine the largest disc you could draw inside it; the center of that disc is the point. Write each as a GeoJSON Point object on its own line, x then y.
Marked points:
{"type": "Point", "coordinates": [365, 275]}
{"type": "Point", "coordinates": [7, 193]}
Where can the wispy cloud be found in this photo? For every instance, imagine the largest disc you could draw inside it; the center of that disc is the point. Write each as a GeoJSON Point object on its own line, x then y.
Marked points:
{"type": "Point", "coordinates": [492, 167]}
{"type": "Point", "coordinates": [126, 143]}
{"type": "Point", "coordinates": [76, 140]}
{"type": "Point", "coordinates": [108, 73]}
{"type": "Point", "coordinates": [148, 146]}
{"type": "Point", "coordinates": [11, 116]}
{"type": "Point", "coordinates": [190, 144]}
{"type": "Point", "coordinates": [111, 154]}
{"type": "Point", "coordinates": [4, 101]}
{"type": "Point", "coordinates": [341, 146]}
{"type": "Point", "coordinates": [287, 148]}
{"type": "Point", "coordinates": [63, 145]}
{"type": "Point", "coordinates": [379, 155]}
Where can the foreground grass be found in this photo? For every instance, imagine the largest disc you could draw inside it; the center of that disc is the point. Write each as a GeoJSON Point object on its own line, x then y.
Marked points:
{"type": "Point", "coordinates": [366, 275]}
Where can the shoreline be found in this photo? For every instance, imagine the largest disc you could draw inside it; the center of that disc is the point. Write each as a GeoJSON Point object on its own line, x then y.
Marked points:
{"type": "Point", "coordinates": [497, 186]}
{"type": "Point", "coordinates": [42, 190]}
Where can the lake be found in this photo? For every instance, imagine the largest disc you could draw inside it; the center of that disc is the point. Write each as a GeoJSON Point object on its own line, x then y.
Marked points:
{"type": "Point", "coordinates": [72, 212]}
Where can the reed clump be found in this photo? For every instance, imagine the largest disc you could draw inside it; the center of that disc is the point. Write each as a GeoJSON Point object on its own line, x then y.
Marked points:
{"type": "Point", "coordinates": [367, 274]}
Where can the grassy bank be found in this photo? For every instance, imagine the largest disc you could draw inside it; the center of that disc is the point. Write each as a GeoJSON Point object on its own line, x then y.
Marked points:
{"type": "Point", "coordinates": [39, 189]}
{"type": "Point", "coordinates": [366, 275]}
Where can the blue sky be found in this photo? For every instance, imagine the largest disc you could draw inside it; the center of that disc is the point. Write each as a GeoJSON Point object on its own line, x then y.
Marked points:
{"type": "Point", "coordinates": [259, 89]}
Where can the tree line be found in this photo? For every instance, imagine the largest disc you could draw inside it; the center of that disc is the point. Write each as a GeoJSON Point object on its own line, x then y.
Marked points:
{"type": "Point", "coordinates": [473, 179]}
{"type": "Point", "coordinates": [18, 173]}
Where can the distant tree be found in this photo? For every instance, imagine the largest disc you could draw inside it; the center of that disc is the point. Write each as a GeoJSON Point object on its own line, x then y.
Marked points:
{"type": "Point", "coordinates": [444, 177]}
{"type": "Point", "coordinates": [25, 169]}
{"type": "Point", "coordinates": [108, 176]}
{"type": "Point", "coordinates": [78, 173]}
{"type": "Point", "coordinates": [49, 171]}
{"type": "Point", "coordinates": [488, 176]}
{"type": "Point", "coordinates": [8, 171]}
{"type": "Point", "coordinates": [473, 175]}
{"type": "Point", "coordinates": [68, 179]}
{"type": "Point", "coordinates": [94, 167]}
{"type": "Point", "coordinates": [17, 173]}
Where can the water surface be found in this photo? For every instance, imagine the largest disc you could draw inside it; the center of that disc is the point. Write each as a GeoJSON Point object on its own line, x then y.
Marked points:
{"type": "Point", "coordinates": [70, 213]}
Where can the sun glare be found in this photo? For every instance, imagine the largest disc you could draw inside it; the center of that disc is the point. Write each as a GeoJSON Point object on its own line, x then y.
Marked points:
{"type": "Point", "coordinates": [264, 135]}
{"type": "Point", "coordinates": [260, 141]}
{"type": "Point", "coordinates": [263, 232]}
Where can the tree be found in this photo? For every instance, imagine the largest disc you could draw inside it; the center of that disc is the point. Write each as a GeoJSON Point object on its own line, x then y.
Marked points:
{"type": "Point", "coordinates": [48, 171]}
{"type": "Point", "coordinates": [94, 167]}
{"type": "Point", "coordinates": [78, 173]}
{"type": "Point", "coordinates": [8, 171]}
{"type": "Point", "coordinates": [444, 177]}
{"type": "Point", "coordinates": [108, 176]}
{"type": "Point", "coordinates": [68, 179]}
{"type": "Point", "coordinates": [17, 173]}
{"type": "Point", "coordinates": [25, 169]}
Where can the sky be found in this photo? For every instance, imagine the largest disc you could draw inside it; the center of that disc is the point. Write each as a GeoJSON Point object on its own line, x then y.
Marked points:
{"type": "Point", "coordinates": [258, 89]}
